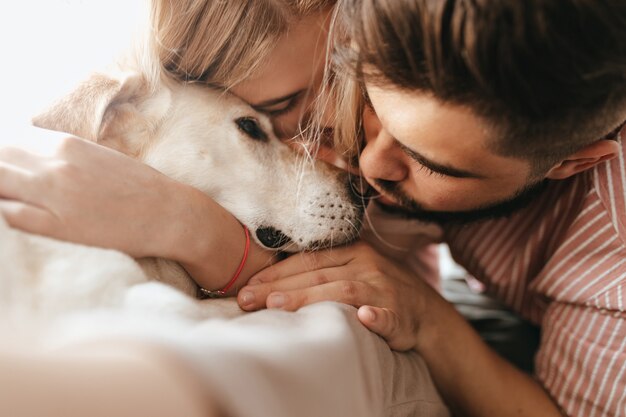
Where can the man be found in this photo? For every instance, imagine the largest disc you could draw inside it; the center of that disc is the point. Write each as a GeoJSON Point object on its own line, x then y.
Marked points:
{"type": "Point", "coordinates": [503, 122]}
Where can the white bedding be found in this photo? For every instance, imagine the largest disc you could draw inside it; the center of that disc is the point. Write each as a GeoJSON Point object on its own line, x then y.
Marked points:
{"type": "Point", "coordinates": [318, 361]}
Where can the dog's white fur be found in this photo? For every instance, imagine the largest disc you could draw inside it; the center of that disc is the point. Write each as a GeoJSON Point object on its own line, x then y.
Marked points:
{"type": "Point", "coordinates": [190, 133]}
{"type": "Point", "coordinates": [193, 134]}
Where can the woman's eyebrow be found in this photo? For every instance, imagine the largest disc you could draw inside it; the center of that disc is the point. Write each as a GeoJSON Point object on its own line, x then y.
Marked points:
{"type": "Point", "coordinates": [274, 101]}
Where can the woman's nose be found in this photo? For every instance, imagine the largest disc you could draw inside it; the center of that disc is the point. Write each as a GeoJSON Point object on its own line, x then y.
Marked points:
{"type": "Point", "coordinates": [381, 159]}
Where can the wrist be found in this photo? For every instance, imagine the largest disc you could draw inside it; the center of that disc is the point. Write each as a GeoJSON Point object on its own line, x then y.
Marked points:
{"type": "Point", "coordinates": [435, 316]}
{"type": "Point", "coordinates": [196, 227]}
{"type": "Point", "coordinates": [455, 354]}
{"type": "Point", "coordinates": [209, 243]}
{"type": "Point", "coordinates": [205, 293]}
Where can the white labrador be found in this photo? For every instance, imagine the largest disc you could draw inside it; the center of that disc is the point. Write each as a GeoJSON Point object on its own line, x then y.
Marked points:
{"type": "Point", "coordinates": [220, 145]}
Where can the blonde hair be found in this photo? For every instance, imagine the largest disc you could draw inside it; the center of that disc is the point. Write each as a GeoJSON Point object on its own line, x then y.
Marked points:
{"type": "Point", "coordinates": [221, 42]}
{"type": "Point", "coordinates": [343, 93]}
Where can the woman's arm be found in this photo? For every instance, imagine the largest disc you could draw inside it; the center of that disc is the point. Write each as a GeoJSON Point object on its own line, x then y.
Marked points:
{"type": "Point", "coordinates": [209, 243]}
{"type": "Point", "coordinates": [100, 380]}
{"type": "Point", "coordinates": [92, 195]}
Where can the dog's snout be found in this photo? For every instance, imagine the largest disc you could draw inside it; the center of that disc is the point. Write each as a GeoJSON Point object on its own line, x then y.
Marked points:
{"type": "Point", "coordinates": [272, 238]}
{"type": "Point", "coordinates": [359, 188]}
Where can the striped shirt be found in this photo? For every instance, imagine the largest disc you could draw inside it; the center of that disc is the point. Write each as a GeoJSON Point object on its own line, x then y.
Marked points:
{"type": "Point", "coordinates": [561, 263]}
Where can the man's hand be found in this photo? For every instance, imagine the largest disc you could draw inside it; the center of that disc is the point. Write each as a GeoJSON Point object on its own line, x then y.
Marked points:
{"type": "Point", "coordinates": [391, 301]}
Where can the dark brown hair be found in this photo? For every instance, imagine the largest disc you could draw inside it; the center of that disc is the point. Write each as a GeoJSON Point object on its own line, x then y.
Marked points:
{"type": "Point", "coordinates": [548, 75]}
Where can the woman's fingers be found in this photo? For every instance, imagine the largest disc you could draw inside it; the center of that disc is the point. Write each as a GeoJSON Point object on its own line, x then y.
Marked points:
{"type": "Point", "coordinates": [21, 174]}
{"type": "Point", "coordinates": [20, 157]}
{"type": "Point", "coordinates": [27, 217]}
{"type": "Point", "coordinates": [92, 195]}
{"type": "Point", "coordinates": [16, 183]}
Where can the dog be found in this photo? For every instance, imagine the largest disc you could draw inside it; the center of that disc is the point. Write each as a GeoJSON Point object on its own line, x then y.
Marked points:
{"type": "Point", "coordinates": [215, 142]}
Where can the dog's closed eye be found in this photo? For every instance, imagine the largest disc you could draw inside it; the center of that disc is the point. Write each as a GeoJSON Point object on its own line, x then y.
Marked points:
{"type": "Point", "coordinates": [250, 126]}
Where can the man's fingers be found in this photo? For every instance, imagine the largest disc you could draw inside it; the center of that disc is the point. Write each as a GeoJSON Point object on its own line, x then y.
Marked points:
{"type": "Point", "coordinates": [347, 292]}
{"type": "Point", "coordinates": [386, 323]}
{"type": "Point", "coordinates": [379, 320]}
{"type": "Point", "coordinates": [253, 297]}
{"type": "Point", "coordinates": [300, 263]}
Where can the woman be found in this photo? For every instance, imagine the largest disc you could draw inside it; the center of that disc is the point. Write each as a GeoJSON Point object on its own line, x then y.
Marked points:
{"type": "Point", "coordinates": [277, 67]}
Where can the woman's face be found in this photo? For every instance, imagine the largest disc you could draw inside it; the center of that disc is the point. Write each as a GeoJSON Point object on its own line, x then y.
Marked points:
{"type": "Point", "coordinates": [431, 160]}
{"type": "Point", "coordinates": [285, 87]}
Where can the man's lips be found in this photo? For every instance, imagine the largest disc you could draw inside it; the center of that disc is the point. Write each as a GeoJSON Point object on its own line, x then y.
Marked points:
{"type": "Point", "coordinates": [386, 201]}
{"type": "Point", "coordinates": [381, 197]}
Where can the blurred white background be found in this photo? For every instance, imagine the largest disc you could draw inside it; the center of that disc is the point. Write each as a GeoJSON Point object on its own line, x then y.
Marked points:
{"type": "Point", "coordinates": [48, 46]}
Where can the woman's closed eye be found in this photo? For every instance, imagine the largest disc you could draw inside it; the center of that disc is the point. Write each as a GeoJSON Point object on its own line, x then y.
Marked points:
{"type": "Point", "coordinates": [281, 108]}
{"type": "Point", "coordinates": [288, 107]}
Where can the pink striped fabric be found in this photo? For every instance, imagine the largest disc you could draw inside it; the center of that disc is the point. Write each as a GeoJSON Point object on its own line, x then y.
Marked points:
{"type": "Point", "coordinates": [561, 263]}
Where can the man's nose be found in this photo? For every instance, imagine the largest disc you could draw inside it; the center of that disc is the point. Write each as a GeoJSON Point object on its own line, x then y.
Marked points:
{"type": "Point", "coordinates": [381, 158]}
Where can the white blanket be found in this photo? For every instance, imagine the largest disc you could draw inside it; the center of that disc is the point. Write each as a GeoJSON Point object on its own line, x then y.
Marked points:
{"type": "Point", "coordinates": [319, 361]}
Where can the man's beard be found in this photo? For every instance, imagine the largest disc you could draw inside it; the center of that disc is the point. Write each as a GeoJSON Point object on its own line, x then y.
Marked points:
{"type": "Point", "coordinates": [410, 209]}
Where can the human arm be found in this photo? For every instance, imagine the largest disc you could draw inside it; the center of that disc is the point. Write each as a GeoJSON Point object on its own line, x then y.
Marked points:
{"type": "Point", "coordinates": [473, 380]}
{"type": "Point", "coordinates": [92, 195]}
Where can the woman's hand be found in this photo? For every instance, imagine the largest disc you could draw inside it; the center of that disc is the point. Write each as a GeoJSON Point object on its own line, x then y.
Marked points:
{"type": "Point", "coordinates": [88, 194]}
{"type": "Point", "coordinates": [392, 302]}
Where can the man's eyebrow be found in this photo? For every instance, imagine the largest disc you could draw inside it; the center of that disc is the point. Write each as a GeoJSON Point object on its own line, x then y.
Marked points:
{"type": "Point", "coordinates": [274, 101]}
{"type": "Point", "coordinates": [434, 166]}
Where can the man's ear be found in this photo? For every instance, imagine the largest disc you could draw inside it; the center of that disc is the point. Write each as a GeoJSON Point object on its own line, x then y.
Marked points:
{"type": "Point", "coordinates": [584, 159]}
{"type": "Point", "coordinates": [104, 109]}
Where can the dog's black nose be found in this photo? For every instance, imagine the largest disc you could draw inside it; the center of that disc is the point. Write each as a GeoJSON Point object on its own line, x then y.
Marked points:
{"type": "Point", "coordinates": [272, 238]}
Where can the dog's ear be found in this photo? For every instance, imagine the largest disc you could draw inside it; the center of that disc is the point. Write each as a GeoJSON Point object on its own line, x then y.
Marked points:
{"type": "Point", "coordinates": [104, 109]}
